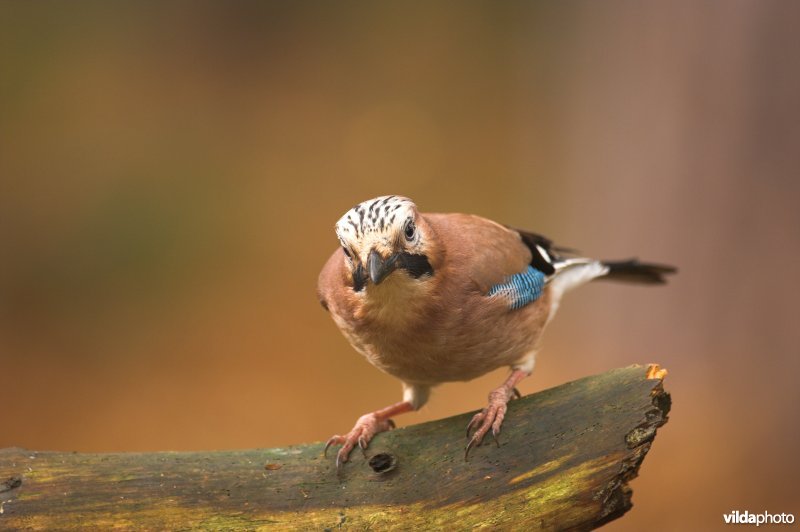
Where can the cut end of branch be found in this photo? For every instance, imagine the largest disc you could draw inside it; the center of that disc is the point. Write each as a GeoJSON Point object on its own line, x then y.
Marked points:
{"type": "Point", "coordinates": [654, 371]}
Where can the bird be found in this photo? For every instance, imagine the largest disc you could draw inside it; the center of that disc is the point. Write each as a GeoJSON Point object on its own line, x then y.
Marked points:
{"type": "Point", "coordinates": [431, 298]}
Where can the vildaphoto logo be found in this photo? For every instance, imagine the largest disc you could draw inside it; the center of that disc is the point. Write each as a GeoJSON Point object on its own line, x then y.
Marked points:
{"type": "Point", "coordinates": [764, 518]}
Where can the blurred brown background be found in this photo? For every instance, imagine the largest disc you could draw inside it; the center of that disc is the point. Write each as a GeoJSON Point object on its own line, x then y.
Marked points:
{"type": "Point", "coordinates": [170, 175]}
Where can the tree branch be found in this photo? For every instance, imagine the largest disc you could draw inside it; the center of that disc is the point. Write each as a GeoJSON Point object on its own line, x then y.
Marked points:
{"type": "Point", "coordinates": [565, 458]}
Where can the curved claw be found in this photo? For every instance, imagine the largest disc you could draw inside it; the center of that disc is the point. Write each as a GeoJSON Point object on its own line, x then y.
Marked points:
{"type": "Point", "coordinates": [472, 442]}
{"type": "Point", "coordinates": [364, 430]}
{"type": "Point", "coordinates": [331, 441]}
{"type": "Point", "coordinates": [474, 421]}
{"type": "Point", "coordinates": [344, 453]}
{"type": "Point", "coordinates": [477, 438]}
{"type": "Point", "coordinates": [490, 419]}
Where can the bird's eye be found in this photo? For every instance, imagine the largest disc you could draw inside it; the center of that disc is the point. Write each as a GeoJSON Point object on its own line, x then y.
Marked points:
{"type": "Point", "coordinates": [410, 231]}
{"type": "Point", "coordinates": [347, 252]}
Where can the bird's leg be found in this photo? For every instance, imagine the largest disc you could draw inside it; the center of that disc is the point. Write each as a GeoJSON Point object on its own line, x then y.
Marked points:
{"type": "Point", "coordinates": [492, 416]}
{"type": "Point", "coordinates": [365, 428]}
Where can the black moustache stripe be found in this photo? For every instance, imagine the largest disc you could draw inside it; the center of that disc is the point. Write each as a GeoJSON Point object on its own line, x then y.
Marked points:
{"type": "Point", "coordinates": [359, 278]}
{"type": "Point", "coordinates": [415, 265]}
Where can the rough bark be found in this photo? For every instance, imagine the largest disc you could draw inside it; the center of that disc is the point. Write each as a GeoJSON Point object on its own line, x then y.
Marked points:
{"type": "Point", "coordinates": [565, 458]}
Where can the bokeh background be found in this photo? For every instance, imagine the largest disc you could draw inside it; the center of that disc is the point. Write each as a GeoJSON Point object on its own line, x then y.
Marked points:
{"type": "Point", "coordinates": [170, 174]}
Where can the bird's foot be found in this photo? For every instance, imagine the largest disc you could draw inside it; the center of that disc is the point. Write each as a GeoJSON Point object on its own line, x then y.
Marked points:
{"type": "Point", "coordinates": [490, 417]}
{"type": "Point", "coordinates": [365, 428]}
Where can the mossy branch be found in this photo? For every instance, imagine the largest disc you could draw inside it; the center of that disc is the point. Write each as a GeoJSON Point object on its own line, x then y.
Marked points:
{"type": "Point", "coordinates": [565, 458]}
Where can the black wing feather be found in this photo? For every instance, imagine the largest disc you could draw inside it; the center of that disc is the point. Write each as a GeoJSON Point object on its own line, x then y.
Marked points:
{"type": "Point", "coordinates": [534, 241]}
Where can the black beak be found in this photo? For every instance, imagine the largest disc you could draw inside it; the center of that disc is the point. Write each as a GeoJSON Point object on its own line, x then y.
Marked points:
{"type": "Point", "coordinates": [380, 268]}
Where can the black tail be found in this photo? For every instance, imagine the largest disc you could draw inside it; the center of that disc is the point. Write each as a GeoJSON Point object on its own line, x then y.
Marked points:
{"type": "Point", "coordinates": [633, 271]}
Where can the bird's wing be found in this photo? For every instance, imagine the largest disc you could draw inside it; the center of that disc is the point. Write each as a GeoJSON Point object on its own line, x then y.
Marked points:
{"type": "Point", "coordinates": [331, 283]}
{"type": "Point", "coordinates": [545, 256]}
{"type": "Point", "coordinates": [480, 251]}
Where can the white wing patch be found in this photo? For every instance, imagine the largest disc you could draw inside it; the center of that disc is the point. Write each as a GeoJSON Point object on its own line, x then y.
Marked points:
{"type": "Point", "coordinates": [572, 273]}
{"type": "Point", "coordinates": [543, 252]}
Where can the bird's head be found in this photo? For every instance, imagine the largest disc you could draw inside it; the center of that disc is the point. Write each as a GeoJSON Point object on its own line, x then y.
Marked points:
{"type": "Point", "coordinates": [385, 235]}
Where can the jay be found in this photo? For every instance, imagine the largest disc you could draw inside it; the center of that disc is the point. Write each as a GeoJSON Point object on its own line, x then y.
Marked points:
{"type": "Point", "coordinates": [434, 298]}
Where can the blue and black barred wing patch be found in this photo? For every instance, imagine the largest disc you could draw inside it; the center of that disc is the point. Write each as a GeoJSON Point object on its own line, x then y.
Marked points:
{"type": "Point", "coordinates": [520, 288]}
